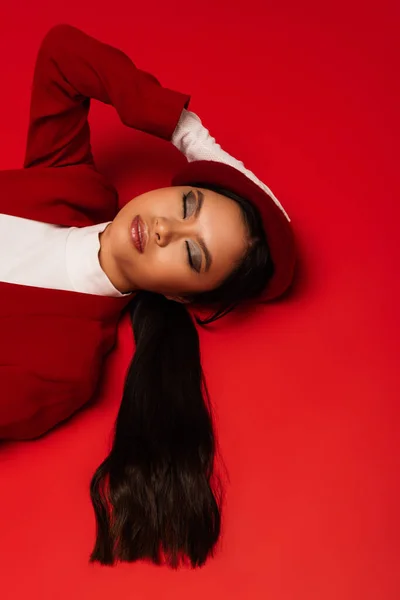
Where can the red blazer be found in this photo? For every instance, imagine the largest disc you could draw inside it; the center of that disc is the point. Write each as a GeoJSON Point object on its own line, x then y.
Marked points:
{"type": "Point", "coordinates": [54, 342]}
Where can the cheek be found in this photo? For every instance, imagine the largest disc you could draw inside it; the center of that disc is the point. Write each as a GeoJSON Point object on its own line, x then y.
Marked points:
{"type": "Point", "coordinates": [151, 206]}
{"type": "Point", "coordinates": [169, 257]}
{"type": "Point", "coordinates": [166, 264]}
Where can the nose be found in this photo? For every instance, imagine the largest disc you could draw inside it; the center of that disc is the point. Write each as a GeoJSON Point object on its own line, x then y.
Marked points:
{"type": "Point", "coordinates": [169, 230]}
{"type": "Point", "coordinates": [162, 231]}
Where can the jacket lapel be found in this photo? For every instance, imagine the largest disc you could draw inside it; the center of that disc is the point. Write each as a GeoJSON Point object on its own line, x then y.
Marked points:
{"type": "Point", "coordinates": [71, 196]}
{"type": "Point", "coordinates": [75, 196]}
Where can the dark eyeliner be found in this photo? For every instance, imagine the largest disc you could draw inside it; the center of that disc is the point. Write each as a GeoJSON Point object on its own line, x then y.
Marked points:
{"type": "Point", "coordinates": [190, 257]}
{"type": "Point", "coordinates": [184, 205]}
{"type": "Point", "coordinates": [187, 244]}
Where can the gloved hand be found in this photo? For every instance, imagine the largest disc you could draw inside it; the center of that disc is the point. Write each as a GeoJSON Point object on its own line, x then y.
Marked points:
{"type": "Point", "coordinates": [195, 142]}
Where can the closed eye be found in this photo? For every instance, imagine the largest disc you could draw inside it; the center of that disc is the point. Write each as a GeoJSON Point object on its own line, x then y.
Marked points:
{"type": "Point", "coordinates": [184, 204]}
{"type": "Point", "coordinates": [191, 206]}
{"type": "Point", "coordinates": [190, 259]}
{"type": "Point", "coordinates": [191, 203]}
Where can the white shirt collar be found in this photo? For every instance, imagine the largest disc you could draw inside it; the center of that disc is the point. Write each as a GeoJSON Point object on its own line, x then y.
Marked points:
{"type": "Point", "coordinates": [82, 262]}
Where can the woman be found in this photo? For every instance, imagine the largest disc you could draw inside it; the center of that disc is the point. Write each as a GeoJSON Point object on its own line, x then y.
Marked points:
{"type": "Point", "coordinates": [71, 264]}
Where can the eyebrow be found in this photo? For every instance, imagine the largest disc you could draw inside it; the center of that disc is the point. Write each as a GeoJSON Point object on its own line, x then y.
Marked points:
{"type": "Point", "coordinates": [200, 201]}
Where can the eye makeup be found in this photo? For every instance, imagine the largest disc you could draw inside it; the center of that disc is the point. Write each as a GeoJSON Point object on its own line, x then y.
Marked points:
{"type": "Point", "coordinates": [191, 206]}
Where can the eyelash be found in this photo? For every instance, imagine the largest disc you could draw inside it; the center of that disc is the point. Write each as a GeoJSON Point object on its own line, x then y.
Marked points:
{"type": "Point", "coordinates": [184, 205]}
{"type": "Point", "coordinates": [190, 261]}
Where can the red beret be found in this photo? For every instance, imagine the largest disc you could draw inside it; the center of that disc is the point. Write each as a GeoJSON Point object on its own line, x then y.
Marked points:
{"type": "Point", "coordinates": [277, 227]}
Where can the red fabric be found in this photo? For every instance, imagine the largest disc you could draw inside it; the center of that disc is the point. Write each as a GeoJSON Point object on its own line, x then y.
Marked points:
{"type": "Point", "coordinates": [51, 357]}
{"type": "Point", "coordinates": [305, 391]}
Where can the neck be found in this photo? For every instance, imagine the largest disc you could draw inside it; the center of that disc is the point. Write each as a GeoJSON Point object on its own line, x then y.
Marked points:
{"type": "Point", "coordinates": [107, 262]}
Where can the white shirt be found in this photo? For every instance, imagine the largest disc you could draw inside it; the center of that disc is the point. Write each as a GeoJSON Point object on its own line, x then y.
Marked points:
{"type": "Point", "coordinates": [66, 258]}
{"type": "Point", "coordinates": [50, 256]}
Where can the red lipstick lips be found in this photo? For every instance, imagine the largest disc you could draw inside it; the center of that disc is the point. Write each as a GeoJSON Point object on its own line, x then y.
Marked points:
{"type": "Point", "coordinates": [139, 234]}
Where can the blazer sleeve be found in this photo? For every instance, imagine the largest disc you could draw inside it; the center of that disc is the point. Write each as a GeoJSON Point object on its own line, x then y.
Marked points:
{"type": "Point", "coordinates": [71, 69]}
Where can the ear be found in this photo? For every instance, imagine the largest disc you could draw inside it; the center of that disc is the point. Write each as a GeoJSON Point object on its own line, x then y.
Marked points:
{"type": "Point", "coordinates": [179, 299]}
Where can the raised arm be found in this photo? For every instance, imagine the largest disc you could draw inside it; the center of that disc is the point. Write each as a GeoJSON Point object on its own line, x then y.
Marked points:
{"type": "Point", "coordinates": [196, 143]}
{"type": "Point", "coordinates": [71, 69]}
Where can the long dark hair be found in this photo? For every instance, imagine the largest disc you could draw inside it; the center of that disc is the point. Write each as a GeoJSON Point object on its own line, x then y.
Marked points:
{"type": "Point", "coordinates": [156, 496]}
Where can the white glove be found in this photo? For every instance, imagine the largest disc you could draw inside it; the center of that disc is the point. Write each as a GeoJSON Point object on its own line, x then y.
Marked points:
{"type": "Point", "coordinates": [195, 142]}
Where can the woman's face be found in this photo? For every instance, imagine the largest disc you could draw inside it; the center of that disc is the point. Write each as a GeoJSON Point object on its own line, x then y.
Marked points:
{"type": "Point", "coordinates": [175, 241]}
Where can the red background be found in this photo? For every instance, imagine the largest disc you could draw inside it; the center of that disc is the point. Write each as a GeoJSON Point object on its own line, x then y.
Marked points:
{"type": "Point", "coordinates": [305, 390]}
